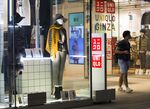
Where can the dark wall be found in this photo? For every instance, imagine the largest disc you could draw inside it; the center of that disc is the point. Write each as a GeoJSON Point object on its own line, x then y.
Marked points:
{"type": "Point", "coordinates": [45, 14]}
{"type": "Point", "coordinates": [145, 18]}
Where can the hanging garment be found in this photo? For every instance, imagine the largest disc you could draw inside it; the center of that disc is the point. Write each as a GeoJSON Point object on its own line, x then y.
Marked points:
{"type": "Point", "coordinates": [23, 8]}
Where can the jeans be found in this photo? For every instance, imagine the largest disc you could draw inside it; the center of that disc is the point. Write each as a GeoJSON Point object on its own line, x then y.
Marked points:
{"type": "Point", "coordinates": [124, 65]}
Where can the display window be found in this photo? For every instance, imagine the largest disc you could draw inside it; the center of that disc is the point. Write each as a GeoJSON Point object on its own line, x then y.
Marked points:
{"type": "Point", "coordinates": [37, 66]}
{"type": "Point", "coordinates": [50, 51]}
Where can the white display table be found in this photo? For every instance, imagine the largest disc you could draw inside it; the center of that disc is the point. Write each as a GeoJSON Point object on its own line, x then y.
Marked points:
{"type": "Point", "coordinates": [36, 76]}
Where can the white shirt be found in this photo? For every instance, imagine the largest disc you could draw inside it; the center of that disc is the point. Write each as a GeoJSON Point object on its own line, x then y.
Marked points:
{"type": "Point", "coordinates": [23, 8]}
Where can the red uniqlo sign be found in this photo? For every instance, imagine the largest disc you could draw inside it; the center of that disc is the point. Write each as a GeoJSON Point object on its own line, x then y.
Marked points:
{"type": "Point", "coordinates": [96, 61]}
{"type": "Point", "coordinates": [110, 7]}
{"type": "Point", "coordinates": [99, 6]}
{"type": "Point", "coordinates": [96, 44]}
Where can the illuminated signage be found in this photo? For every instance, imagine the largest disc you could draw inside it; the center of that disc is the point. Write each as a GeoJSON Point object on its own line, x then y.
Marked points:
{"type": "Point", "coordinates": [104, 16]}
{"type": "Point", "coordinates": [98, 61]}
{"type": "Point", "coordinates": [109, 48]}
{"type": "Point", "coordinates": [104, 23]}
{"type": "Point", "coordinates": [96, 49]}
{"type": "Point", "coordinates": [110, 7]}
{"type": "Point", "coordinates": [96, 44]}
{"type": "Point", "coordinates": [76, 38]}
{"type": "Point", "coordinates": [99, 6]}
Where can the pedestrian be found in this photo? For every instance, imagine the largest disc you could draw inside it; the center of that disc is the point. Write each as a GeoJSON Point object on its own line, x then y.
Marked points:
{"type": "Point", "coordinates": [123, 52]}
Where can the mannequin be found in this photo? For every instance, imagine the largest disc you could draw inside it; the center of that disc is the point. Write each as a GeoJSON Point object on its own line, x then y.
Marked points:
{"type": "Point", "coordinates": [145, 22]}
{"type": "Point", "coordinates": [148, 50]}
{"type": "Point", "coordinates": [142, 48]}
{"type": "Point", "coordinates": [57, 47]}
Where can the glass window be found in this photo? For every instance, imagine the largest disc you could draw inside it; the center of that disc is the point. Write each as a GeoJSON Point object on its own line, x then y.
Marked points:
{"type": "Point", "coordinates": [45, 46]}
{"type": "Point", "coordinates": [104, 23]}
{"type": "Point", "coordinates": [47, 52]}
{"type": "Point", "coordinates": [115, 16]}
{"type": "Point", "coordinates": [4, 98]}
{"type": "Point", "coordinates": [135, 19]}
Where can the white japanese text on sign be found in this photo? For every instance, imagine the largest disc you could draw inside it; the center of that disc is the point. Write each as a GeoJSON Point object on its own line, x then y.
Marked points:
{"type": "Point", "coordinates": [96, 61]}
{"type": "Point", "coordinates": [99, 6]}
{"type": "Point", "coordinates": [96, 44]}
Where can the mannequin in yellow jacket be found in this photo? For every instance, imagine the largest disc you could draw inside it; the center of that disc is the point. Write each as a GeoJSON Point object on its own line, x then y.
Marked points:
{"type": "Point", "coordinates": [57, 47]}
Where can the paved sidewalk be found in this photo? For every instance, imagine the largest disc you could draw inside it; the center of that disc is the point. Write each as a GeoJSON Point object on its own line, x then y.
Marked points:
{"type": "Point", "coordinates": [139, 99]}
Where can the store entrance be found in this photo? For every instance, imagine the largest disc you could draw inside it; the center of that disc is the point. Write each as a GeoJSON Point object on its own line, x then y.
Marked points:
{"type": "Point", "coordinates": [135, 18]}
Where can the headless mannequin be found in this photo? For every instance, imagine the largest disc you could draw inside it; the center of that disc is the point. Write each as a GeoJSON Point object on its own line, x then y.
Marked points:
{"type": "Point", "coordinates": [58, 54]}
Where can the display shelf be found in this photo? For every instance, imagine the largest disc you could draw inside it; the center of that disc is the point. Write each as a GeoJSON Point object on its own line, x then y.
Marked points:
{"type": "Point", "coordinates": [36, 76]}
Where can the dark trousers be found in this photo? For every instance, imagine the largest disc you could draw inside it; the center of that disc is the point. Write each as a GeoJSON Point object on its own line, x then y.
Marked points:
{"type": "Point", "coordinates": [142, 60]}
{"type": "Point", "coordinates": [27, 35]}
{"type": "Point", "coordinates": [148, 60]}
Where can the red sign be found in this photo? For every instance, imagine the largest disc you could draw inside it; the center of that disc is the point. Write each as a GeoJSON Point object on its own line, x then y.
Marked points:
{"type": "Point", "coordinates": [110, 7]}
{"type": "Point", "coordinates": [96, 61]}
{"type": "Point", "coordinates": [96, 44]}
{"type": "Point", "coordinates": [99, 6]}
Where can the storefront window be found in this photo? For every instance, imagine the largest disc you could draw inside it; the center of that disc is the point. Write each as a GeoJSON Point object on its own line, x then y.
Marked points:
{"type": "Point", "coordinates": [46, 48]}
{"type": "Point", "coordinates": [4, 98]}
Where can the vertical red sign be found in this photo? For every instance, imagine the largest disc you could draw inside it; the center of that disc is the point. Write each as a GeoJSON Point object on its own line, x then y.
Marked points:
{"type": "Point", "coordinates": [96, 44]}
{"type": "Point", "coordinates": [99, 6]}
{"type": "Point", "coordinates": [96, 48]}
{"type": "Point", "coordinates": [110, 7]}
{"type": "Point", "coordinates": [96, 61]}
{"type": "Point", "coordinates": [109, 49]}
